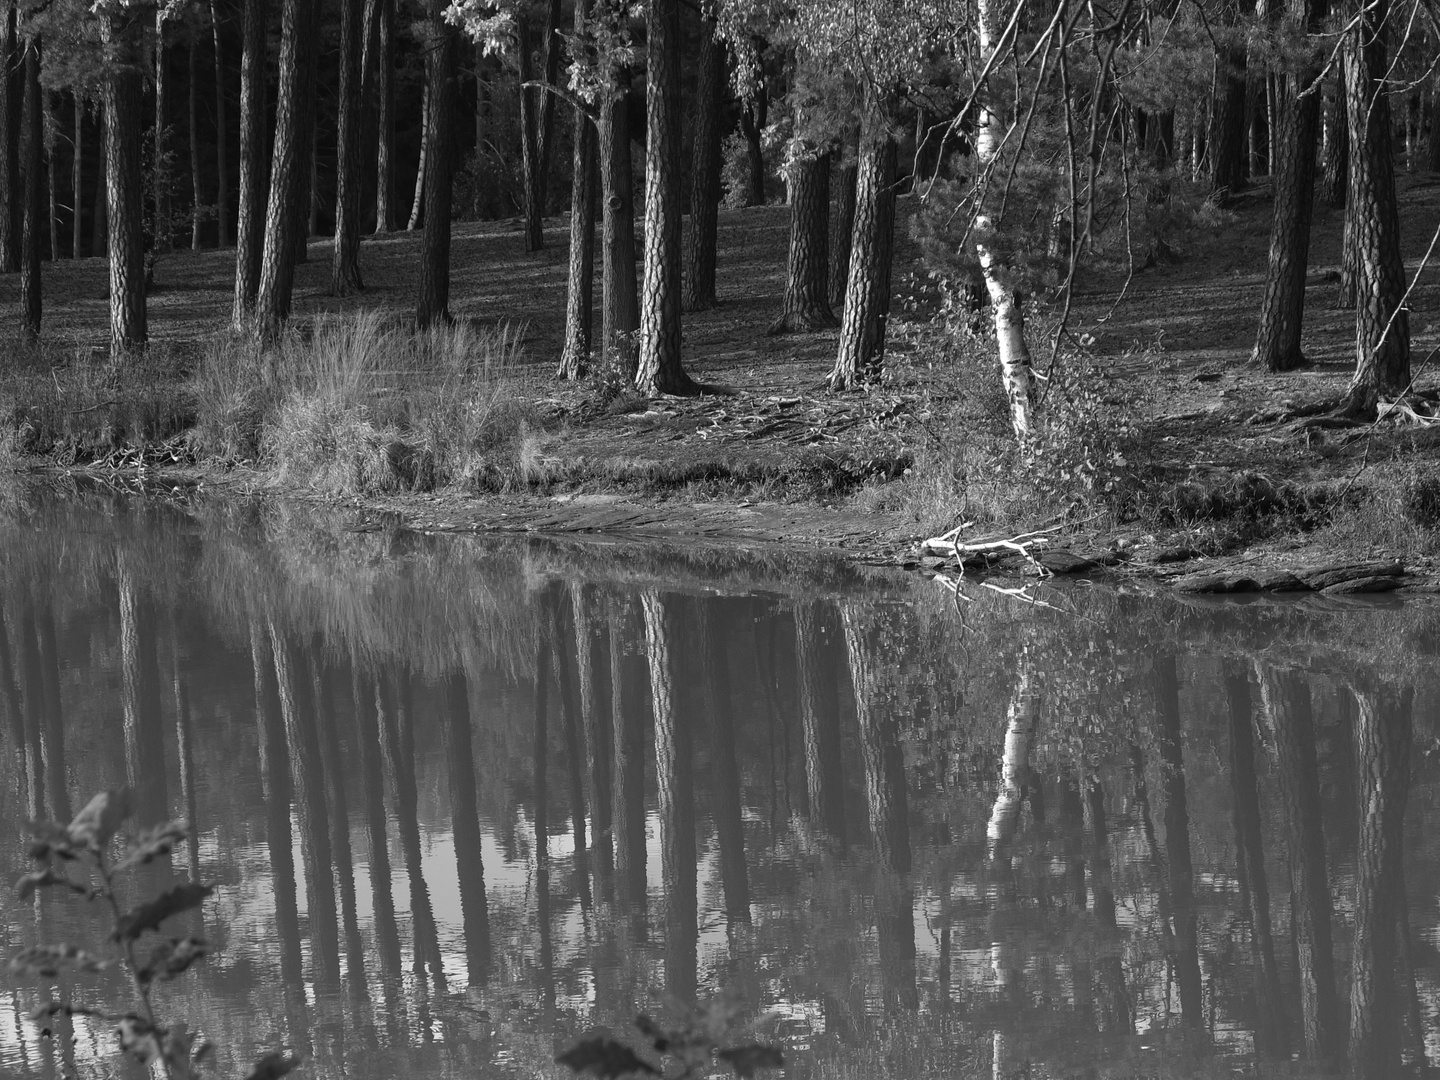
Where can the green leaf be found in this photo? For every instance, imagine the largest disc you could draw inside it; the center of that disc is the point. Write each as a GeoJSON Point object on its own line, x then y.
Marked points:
{"type": "Point", "coordinates": [103, 815]}
{"type": "Point", "coordinates": [746, 1059]}
{"type": "Point", "coordinates": [150, 915]}
{"type": "Point", "coordinates": [48, 960]}
{"type": "Point", "coordinates": [273, 1066]}
{"type": "Point", "coordinates": [152, 843]}
{"type": "Point", "coordinates": [604, 1057]}
{"type": "Point", "coordinates": [171, 958]}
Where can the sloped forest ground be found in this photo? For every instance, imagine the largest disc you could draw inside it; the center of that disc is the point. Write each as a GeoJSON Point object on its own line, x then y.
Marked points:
{"type": "Point", "coordinates": [1165, 447]}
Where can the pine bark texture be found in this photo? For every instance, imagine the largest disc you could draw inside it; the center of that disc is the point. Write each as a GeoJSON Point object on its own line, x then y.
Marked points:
{"type": "Point", "coordinates": [1382, 329]}
{"type": "Point", "coordinates": [1297, 115]}
{"type": "Point", "coordinates": [289, 167]}
{"type": "Point", "coordinates": [579, 318]}
{"type": "Point", "coordinates": [123, 32]}
{"type": "Point", "coordinates": [160, 148]}
{"type": "Point", "coordinates": [77, 178]}
{"type": "Point", "coordinates": [861, 352]}
{"type": "Point", "coordinates": [842, 225]}
{"type": "Point", "coordinates": [1335, 173]}
{"type": "Point", "coordinates": [433, 307]}
{"type": "Point", "coordinates": [250, 222]}
{"type": "Point", "coordinates": [659, 369]}
{"type": "Point", "coordinates": [345, 269]}
{"type": "Point", "coordinates": [700, 255]}
{"type": "Point", "coordinates": [620, 302]}
{"type": "Point", "coordinates": [537, 118]}
{"type": "Point", "coordinates": [753, 120]}
{"type": "Point", "coordinates": [222, 138]}
{"type": "Point", "coordinates": [807, 276]}
{"type": "Point", "coordinates": [385, 117]}
{"type": "Point", "coordinates": [33, 209]}
{"type": "Point", "coordinates": [10, 92]}
{"type": "Point", "coordinates": [1383, 736]}
{"type": "Point", "coordinates": [193, 123]}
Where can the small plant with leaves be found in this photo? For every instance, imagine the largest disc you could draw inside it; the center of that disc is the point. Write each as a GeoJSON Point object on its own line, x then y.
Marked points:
{"type": "Point", "coordinates": [687, 1049]}
{"type": "Point", "coordinates": [88, 857]}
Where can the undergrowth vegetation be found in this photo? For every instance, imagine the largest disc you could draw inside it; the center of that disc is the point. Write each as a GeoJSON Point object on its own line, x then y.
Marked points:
{"type": "Point", "coordinates": [364, 405]}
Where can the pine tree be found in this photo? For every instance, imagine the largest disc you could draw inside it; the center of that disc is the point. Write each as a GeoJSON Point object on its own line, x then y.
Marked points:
{"type": "Point", "coordinates": [122, 31]}
{"type": "Point", "coordinates": [433, 306]}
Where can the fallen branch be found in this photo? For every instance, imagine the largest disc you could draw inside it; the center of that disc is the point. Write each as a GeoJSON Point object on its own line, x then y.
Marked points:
{"type": "Point", "coordinates": [949, 544]}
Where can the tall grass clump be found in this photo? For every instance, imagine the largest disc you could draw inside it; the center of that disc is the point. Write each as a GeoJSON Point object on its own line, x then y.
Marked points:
{"type": "Point", "coordinates": [68, 402]}
{"type": "Point", "coordinates": [362, 404]}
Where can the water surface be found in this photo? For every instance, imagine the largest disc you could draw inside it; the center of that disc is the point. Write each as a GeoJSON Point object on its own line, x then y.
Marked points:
{"type": "Point", "coordinates": [465, 800]}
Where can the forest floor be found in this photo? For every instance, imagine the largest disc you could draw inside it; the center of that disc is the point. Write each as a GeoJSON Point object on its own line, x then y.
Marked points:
{"type": "Point", "coordinates": [1232, 472]}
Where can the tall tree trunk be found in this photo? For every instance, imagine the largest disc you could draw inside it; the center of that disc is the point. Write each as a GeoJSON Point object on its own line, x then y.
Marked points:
{"type": "Point", "coordinates": [537, 118]}
{"type": "Point", "coordinates": [888, 799]}
{"type": "Point", "coordinates": [627, 682]}
{"type": "Point", "coordinates": [753, 120]}
{"type": "Point", "coordinates": [99, 219]}
{"type": "Point", "coordinates": [575, 358]}
{"type": "Point", "coordinates": [1382, 328]}
{"type": "Point", "coordinates": [160, 148]}
{"type": "Point", "coordinates": [1432, 147]}
{"type": "Point", "coordinates": [713, 686]}
{"type": "Point", "coordinates": [337, 816]}
{"type": "Point", "coordinates": [1287, 699]}
{"type": "Point", "coordinates": [1185, 953]}
{"type": "Point", "coordinates": [307, 195]}
{"type": "Point", "coordinates": [11, 93]}
{"type": "Point", "coordinates": [387, 936]}
{"type": "Point", "coordinates": [345, 271]}
{"type": "Point", "coordinates": [193, 118]}
{"type": "Point", "coordinates": [52, 183]}
{"type": "Point", "coordinates": [77, 176]}
{"type": "Point", "coordinates": [417, 205]}
{"type": "Point", "coordinates": [250, 223]}
{"type": "Point", "coordinates": [277, 788]}
{"type": "Point", "coordinates": [1335, 173]}
{"type": "Point", "coordinates": [660, 370]}
{"type": "Point", "coordinates": [465, 827]}
{"type": "Point", "coordinates": [1270, 1039]}
{"type": "Point", "coordinates": [1297, 121]}
{"type": "Point", "coordinates": [289, 166]}
{"type": "Point", "coordinates": [123, 32]}
{"type": "Point", "coordinates": [140, 683]}
{"type": "Point", "coordinates": [842, 226]}
{"type": "Point", "coordinates": [699, 284]}
{"type": "Point", "coordinates": [433, 306]}
{"type": "Point", "coordinates": [592, 666]}
{"type": "Point", "coordinates": [385, 117]}
{"type": "Point", "coordinates": [806, 306]}
{"type": "Point", "coordinates": [620, 305]}
{"type": "Point", "coordinates": [674, 773]}
{"type": "Point", "coordinates": [1016, 373]}
{"type": "Point", "coordinates": [222, 138]}
{"type": "Point", "coordinates": [1383, 735]}
{"type": "Point", "coordinates": [816, 636]}
{"type": "Point", "coordinates": [298, 707]}
{"type": "Point", "coordinates": [861, 354]}
{"type": "Point", "coordinates": [33, 148]}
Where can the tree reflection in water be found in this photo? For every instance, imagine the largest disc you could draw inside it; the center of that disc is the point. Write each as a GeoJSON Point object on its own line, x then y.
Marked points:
{"type": "Point", "coordinates": [471, 798]}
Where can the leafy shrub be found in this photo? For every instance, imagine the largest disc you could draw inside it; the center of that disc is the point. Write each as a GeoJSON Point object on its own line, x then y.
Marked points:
{"type": "Point", "coordinates": [82, 857]}
{"type": "Point", "coordinates": [690, 1046]}
{"type": "Point", "coordinates": [1420, 498]}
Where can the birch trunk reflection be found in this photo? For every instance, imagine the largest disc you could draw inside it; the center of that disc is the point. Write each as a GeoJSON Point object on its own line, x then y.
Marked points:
{"type": "Point", "coordinates": [140, 678]}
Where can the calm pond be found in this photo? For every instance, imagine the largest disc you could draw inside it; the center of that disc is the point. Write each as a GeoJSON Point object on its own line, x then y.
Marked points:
{"type": "Point", "coordinates": [465, 799]}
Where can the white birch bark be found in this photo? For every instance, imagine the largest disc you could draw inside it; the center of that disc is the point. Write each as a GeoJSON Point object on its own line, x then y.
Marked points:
{"type": "Point", "coordinates": [1016, 372]}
